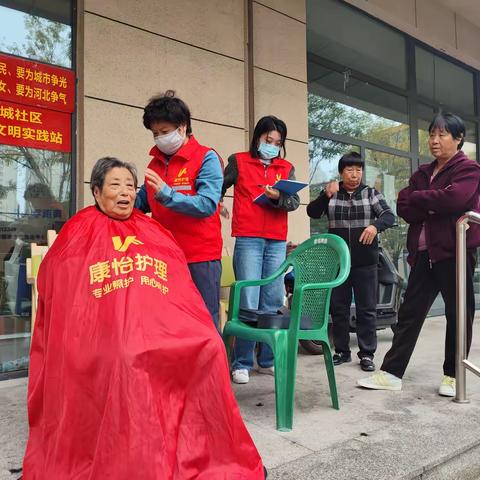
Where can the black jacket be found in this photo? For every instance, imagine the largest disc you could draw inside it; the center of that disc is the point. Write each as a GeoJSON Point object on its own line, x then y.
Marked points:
{"type": "Point", "coordinates": [349, 215]}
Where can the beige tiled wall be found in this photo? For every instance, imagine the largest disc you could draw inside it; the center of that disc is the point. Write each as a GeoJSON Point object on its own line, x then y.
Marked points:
{"type": "Point", "coordinates": [292, 8]}
{"type": "Point", "coordinates": [134, 50]}
{"type": "Point", "coordinates": [127, 65]}
{"type": "Point", "coordinates": [280, 80]}
{"type": "Point", "coordinates": [279, 43]}
{"type": "Point", "coordinates": [215, 25]}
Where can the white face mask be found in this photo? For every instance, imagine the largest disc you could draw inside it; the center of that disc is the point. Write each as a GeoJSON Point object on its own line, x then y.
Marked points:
{"type": "Point", "coordinates": [170, 142]}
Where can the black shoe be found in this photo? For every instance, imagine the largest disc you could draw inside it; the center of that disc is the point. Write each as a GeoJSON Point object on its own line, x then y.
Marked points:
{"type": "Point", "coordinates": [340, 358]}
{"type": "Point", "coordinates": [367, 365]}
{"type": "Point", "coordinates": [265, 472]}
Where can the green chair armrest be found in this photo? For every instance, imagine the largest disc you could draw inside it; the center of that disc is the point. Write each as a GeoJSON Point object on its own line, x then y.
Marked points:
{"type": "Point", "coordinates": [320, 286]}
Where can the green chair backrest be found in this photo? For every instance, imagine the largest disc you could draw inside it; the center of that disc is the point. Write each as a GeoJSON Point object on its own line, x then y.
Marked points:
{"type": "Point", "coordinates": [321, 259]}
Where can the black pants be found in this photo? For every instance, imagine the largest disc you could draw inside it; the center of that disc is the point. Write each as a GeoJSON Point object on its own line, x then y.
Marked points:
{"type": "Point", "coordinates": [424, 283]}
{"type": "Point", "coordinates": [206, 277]}
{"type": "Point", "coordinates": [363, 281]}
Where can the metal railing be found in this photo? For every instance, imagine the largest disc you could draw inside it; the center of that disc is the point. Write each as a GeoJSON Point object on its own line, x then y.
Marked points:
{"type": "Point", "coordinates": [461, 362]}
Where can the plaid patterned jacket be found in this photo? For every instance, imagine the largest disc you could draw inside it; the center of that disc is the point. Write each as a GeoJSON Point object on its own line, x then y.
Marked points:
{"type": "Point", "coordinates": [349, 214]}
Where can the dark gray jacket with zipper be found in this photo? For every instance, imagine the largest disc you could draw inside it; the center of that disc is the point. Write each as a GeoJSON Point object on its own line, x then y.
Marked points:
{"type": "Point", "coordinates": [348, 216]}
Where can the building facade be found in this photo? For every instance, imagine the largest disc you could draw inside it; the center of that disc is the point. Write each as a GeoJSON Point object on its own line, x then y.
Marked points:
{"type": "Point", "coordinates": [344, 75]}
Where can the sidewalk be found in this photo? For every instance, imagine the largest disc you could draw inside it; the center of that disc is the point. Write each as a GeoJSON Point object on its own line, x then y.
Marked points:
{"type": "Point", "coordinates": [376, 435]}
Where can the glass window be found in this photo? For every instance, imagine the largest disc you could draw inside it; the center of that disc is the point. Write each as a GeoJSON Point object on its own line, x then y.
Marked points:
{"type": "Point", "coordinates": [36, 37]}
{"type": "Point", "coordinates": [324, 156]}
{"type": "Point", "coordinates": [389, 174]}
{"type": "Point", "coordinates": [339, 33]}
{"type": "Point", "coordinates": [444, 82]}
{"type": "Point", "coordinates": [34, 197]}
{"type": "Point", "coordinates": [344, 105]}
{"type": "Point", "coordinates": [34, 184]}
{"type": "Point", "coordinates": [425, 116]}
{"type": "Point", "coordinates": [471, 140]}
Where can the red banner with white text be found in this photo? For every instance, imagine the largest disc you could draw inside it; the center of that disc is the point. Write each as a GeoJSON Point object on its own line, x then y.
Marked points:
{"type": "Point", "coordinates": [26, 126]}
{"type": "Point", "coordinates": [38, 84]}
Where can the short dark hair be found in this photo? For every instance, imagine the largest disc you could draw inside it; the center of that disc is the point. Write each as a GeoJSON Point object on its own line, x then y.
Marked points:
{"type": "Point", "coordinates": [451, 123]}
{"type": "Point", "coordinates": [103, 166]}
{"type": "Point", "coordinates": [349, 159]}
{"type": "Point", "coordinates": [166, 107]}
{"type": "Point", "coordinates": [265, 125]}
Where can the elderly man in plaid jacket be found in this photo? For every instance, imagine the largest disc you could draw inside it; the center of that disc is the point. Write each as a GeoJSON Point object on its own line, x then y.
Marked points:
{"type": "Point", "coordinates": [357, 213]}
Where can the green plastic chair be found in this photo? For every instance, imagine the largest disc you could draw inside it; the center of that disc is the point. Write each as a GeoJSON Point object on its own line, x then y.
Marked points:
{"type": "Point", "coordinates": [226, 280]}
{"type": "Point", "coordinates": [320, 264]}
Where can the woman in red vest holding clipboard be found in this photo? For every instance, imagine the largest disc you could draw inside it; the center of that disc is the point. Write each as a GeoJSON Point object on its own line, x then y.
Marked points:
{"type": "Point", "coordinates": [260, 230]}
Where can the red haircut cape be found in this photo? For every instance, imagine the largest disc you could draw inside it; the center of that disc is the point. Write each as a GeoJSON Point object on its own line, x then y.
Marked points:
{"type": "Point", "coordinates": [128, 376]}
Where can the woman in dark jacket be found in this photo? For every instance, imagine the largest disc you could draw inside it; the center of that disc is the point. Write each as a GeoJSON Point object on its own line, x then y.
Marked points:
{"type": "Point", "coordinates": [357, 213]}
{"type": "Point", "coordinates": [437, 195]}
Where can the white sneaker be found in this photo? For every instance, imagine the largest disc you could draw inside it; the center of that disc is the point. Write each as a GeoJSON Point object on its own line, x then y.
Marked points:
{"type": "Point", "coordinates": [381, 381]}
{"type": "Point", "coordinates": [266, 370]}
{"type": "Point", "coordinates": [240, 376]}
{"type": "Point", "coordinates": [447, 387]}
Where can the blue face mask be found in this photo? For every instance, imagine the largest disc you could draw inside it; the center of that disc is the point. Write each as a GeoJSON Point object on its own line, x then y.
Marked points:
{"type": "Point", "coordinates": [267, 151]}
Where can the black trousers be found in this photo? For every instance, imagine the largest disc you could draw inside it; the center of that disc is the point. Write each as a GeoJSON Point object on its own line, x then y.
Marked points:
{"type": "Point", "coordinates": [206, 277]}
{"type": "Point", "coordinates": [363, 281]}
{"type": "Point", "coordinates": [424, 283]}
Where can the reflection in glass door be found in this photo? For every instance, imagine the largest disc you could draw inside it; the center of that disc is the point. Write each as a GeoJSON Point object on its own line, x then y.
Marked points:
{"type": "Point", "coordinates": [389, 174]}
{"type": "Point", "coordinates": [34, 197]}
{"type": "Point", "coordinates": [35, 183]}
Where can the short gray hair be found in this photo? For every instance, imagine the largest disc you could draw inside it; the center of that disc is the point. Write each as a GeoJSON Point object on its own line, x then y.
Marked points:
{"type": "Point", "coordinates": [103, 166]}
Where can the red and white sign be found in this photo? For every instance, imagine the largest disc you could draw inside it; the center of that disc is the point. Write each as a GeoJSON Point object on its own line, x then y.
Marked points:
{"type": "Point", "coordinates": [26, 126]}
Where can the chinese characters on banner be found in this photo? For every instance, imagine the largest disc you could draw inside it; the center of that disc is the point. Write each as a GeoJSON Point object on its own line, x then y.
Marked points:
{"type": "Point", "coordinates": [26, 126]}
{"type": "Point", "coordinates": [36, 101]}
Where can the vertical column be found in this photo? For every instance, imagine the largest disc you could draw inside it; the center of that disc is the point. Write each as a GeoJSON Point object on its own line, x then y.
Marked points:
{"type": "Point", "coordinates": [280, 85]}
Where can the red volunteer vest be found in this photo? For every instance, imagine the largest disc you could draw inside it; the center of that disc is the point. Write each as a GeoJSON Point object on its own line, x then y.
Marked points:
{"type": "Point", "coordinates": [199, 238]}
{"type": "Point", "coordinates": [250, 219]}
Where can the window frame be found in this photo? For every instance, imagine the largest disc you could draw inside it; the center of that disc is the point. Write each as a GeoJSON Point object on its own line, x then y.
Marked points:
{"type": "Point", "coordinates": [413, 98]}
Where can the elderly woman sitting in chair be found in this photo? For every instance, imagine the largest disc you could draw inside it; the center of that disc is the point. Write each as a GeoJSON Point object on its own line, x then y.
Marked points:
{"type": "Point", "coordinates": [128, 376]}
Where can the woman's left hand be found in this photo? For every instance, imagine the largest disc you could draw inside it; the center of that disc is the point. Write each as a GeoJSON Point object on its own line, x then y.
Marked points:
{"type": "Point", "coordinates": [272, 193]}
{"type": "Point", "coordinates": [154, 180]}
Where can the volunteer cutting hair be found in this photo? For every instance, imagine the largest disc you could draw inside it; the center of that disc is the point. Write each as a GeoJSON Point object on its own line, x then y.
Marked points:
{"type": "Point", "coordinates": [182, 190]}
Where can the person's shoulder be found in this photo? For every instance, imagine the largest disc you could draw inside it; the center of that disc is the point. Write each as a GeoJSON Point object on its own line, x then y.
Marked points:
{"type": "Point", "coordinates": [212, 162]}
{"type": "Point", "coordinates": [211, 154]}
{"type": "Point", "coordinates": [74, 233]}
{"type": "Point", "coordinates": [154, 152]}
{"type": "Point", "coordinates": [149, 226]}
{"type": "Point", "coordinates": [287, 162]}
{"type": "Point", "coordinates": [232, 158]}
{"type": "Point", "coordinates": [361, 190]}
{"type": "Point", "coordinates": [241, 155]}
{"type": "Point", "coordinates": [372, 191]}
{"type": "Point", "coordinates": [470, 163]}
{"type": "Point", "coordinates": [84, 215]}
{"type": "Point", "coordinates": [465, 164]}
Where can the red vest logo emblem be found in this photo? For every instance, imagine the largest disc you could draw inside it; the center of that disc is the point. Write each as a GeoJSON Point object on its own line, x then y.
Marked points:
{"type": "Point", "coordinates": [182, 172]}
